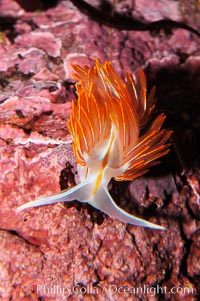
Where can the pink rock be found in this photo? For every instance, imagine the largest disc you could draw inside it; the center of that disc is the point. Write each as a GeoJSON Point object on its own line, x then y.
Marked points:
{"type": "Point", "coordinates": [74, 244]}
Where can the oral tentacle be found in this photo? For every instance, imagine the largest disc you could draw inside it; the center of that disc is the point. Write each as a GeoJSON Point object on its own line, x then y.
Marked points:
{"type": "Point", "coordinates": [80, 192]}
{"type": "Point", "coordinates": [104, 202]}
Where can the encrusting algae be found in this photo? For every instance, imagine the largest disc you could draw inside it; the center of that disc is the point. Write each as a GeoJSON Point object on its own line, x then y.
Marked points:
{"type": "Point", "coordinates": [105, 126]}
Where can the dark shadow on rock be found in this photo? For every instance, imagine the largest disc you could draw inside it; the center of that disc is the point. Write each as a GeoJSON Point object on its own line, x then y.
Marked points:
{"type": "Point", "coordinates": [178, 90]}
{"type": "Point", "coordinates": [30, 6]}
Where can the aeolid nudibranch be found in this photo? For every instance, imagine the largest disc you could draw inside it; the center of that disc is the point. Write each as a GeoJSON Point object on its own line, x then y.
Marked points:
{"type": "Point", "coordinates": [105, 126]}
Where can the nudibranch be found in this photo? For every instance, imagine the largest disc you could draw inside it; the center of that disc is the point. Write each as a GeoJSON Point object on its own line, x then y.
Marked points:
{"type": "Point", "coordinates": [111, 137]}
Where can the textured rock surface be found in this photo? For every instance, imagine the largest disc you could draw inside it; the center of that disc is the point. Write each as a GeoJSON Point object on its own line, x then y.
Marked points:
{"type": "Point", "coordinates": [47, 252]}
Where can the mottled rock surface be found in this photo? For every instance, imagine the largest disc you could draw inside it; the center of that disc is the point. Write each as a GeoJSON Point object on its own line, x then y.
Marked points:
{"type": "Point", "coordinates": [74, 252]}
